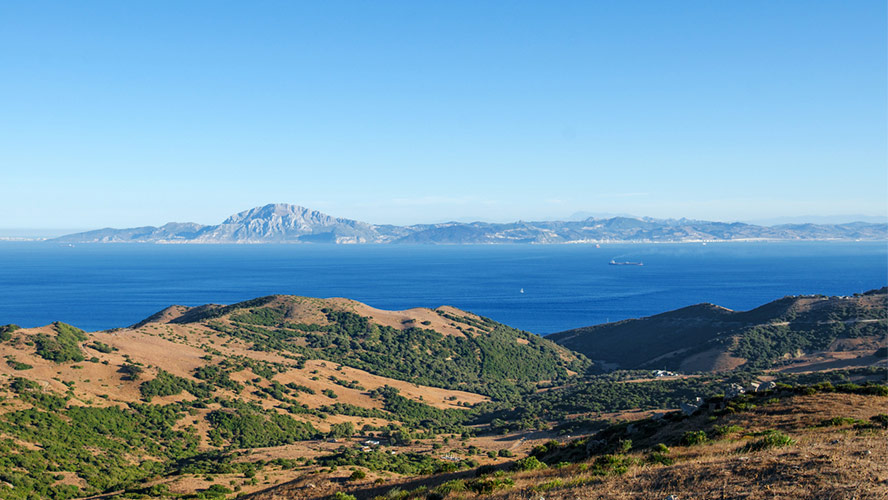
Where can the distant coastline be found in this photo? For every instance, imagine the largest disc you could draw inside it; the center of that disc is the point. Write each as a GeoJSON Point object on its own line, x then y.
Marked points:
{"type": "Point", "coordinates": [292, 224]}
{"type": "Point", "coordinates": [576, 242]}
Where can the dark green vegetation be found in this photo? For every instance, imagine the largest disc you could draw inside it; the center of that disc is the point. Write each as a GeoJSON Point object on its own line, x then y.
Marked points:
{"type": "Point", "coordinates": [488, 360]}
{"type": "Point", "coordinates": [249, 426]}
{"type": "Point", "coordinates": [616, 391]}
{"type": "Point", "coordinates": [602, 393]}
{"type": "Point", "coordinates": [418, 415]}
{"type": "Point", "coordinates": [166, 384]}
{"type": "Point", "coordinates": [101, 347]}
{"type": "Point", "coordinates": [764, 337]}
{"type": "Point", "coordinates": [658, 434]}
{"type": "Point", "coordinates": [402, 463]}
{"type": "Point", "coordinates": [17, 365]}
{"type": "Point", "coordinates": [97, 444]}
{"type": "Point", "coordinates": [63, 346]}
{"type": "Point", "coordinates": [7, 330]}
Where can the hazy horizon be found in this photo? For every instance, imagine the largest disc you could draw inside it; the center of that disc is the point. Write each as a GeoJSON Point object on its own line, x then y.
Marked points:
{"type": "Point", "coordinates": [51, 232]}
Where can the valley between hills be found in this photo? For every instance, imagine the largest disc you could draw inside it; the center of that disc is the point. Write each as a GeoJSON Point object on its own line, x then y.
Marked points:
{"type": "Point", "coordinates": [296, 397]}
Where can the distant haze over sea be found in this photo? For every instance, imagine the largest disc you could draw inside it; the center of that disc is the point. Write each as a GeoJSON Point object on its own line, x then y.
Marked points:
{"type": "Point", "coordinates": [284, 223]}
{"type": "Point", "coordinates": [820, 219]}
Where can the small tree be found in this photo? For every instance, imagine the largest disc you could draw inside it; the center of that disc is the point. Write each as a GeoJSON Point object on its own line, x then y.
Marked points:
{"type": "Point", "coordinates": [343, 430]}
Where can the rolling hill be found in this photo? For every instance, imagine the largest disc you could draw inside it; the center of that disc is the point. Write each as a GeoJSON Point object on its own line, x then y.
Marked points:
{"type": "Point", "coordinates": [789, 333]}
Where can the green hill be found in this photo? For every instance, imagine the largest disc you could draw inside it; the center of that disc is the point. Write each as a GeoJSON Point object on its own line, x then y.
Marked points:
{"type": "Point", "coordinates": [481, 356]}
{"type": "Point", "coordinates": [707, 337]}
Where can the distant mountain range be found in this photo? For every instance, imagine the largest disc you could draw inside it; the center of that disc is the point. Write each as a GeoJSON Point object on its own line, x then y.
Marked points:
{"type": "Point", "coordinates": [283, 223]}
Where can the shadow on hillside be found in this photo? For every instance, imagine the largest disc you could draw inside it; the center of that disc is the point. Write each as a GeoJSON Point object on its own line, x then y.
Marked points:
{"type": "Point", "coordinates": [368, 491]}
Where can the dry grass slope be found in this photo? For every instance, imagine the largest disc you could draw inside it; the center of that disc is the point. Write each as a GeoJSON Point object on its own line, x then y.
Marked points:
{"type": "Point", "coordinates": [836, 452]}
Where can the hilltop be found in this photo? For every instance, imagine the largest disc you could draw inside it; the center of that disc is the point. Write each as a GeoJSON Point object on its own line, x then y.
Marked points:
{"type": "Point", "coordinates": [792, 333]}
{"type": "Point", "coordinates": [283, 223]}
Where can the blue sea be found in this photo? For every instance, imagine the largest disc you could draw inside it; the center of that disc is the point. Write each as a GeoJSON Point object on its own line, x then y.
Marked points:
{"type": "Point", "coordinates": [102, 286]}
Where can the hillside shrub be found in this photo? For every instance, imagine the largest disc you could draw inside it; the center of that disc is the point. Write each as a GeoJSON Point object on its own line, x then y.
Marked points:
{"type": "Point", "coordinates": [691, 438]}
{"type": "Point", "coordinates": [528, 463]}
{"type": "Point", "coordinates": [840, 421]}
{"type": "Point", "coordinates": [881, 420]}
{"type": "Point", "coordinates": [772, 439]}
{"type": "Point", "coordinates": [101, 347]}
{"type": "Point", "coordinates": [18, 365]}
{"type": "Point", "coordinates": [485, 470]}
{"type": "Point", "coordinates": [660, 458]}
{"type": "Point", "coordinates": [6, 331]}
{"type": "Point", "coordinates": [725, 430]}
{"type": "Point", "coordinates": [167, 384]}
{"type": "Point", "coordinates": [130, 371]}
{"type": "Point", "coordinates": [63, 346]}
{"type": "Point", "coordinates": [488, 486]}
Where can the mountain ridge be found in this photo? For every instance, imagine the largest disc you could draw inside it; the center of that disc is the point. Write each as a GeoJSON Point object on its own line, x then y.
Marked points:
{"type": "Point", "coordinates": [789, 332]}
{"type": "Point", "coordinates": [284, 223]}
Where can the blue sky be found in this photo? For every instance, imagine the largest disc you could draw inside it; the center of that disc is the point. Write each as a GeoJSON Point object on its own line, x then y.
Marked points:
{"type": "Point", "coordinates": [136, 113]}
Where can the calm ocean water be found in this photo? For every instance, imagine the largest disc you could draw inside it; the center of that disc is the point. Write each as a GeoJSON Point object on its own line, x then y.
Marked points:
{"type": "Point", "coordinates": [565, 286]}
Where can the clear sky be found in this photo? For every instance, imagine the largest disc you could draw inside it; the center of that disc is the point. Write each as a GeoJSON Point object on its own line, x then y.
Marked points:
{"type": "Point", "coordinates": [116, 113]}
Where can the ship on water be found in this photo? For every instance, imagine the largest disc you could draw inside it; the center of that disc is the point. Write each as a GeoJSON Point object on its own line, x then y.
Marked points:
{"type": "Point", "coordinates": [625, 263]}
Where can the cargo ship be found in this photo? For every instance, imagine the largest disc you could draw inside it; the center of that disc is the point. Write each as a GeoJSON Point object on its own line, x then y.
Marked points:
{"type": "Point", "coordinates": [625, 263]}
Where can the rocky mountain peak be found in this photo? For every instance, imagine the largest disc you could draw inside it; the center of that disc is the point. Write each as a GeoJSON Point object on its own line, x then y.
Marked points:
{"type": "Point", "coordinates": [278, 211]}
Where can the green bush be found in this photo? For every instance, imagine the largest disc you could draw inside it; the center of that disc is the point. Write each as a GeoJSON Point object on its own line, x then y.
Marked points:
{"type": "Point", "coordinates": [485, 470]}
{"type": "Point", "coordinates": [101, 347]}
{"type": "Point", "coordinates": [18, 365]}
{"type": "Point", "coordinates": [248, 426]}
{"type": "Point", "coordinates": [488, 486]}
{"type": "Point", "coordinates": [6, 331]}
{"type": "Point", "coordinates": [660, 458]}
{"type": "Point", "coordinates": [881, 420]}
{"type": "Point", "coordinates": [625, 445]}
{"type": "Point", "coordinates": [63, 346]}
{"type": "Point", "coordinates": [661, 448]}
{"type": "Point", "coordinates": [167, 384]}
{"type": "Point", "coordinates": [528, 463]}
{"type": "Point", "coordinates": [840, 421]}
{"type": "Point", "coordinates": [214, 491]}
{"type": "Point", "coordinates": [724, 430]}
{"type": "Point", "coordinates": [453, 486]}
{"type": "Point", "coordinates": [691, 438]}
{"type": "Point", "coordinates": [130, 371]}
{"type": "Point", "coordinates": [772, 439]}
{"type": "Point", "coordinates": [342, 430]}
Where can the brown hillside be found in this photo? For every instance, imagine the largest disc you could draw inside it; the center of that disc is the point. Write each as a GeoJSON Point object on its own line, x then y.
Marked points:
{"type": "Point", "coordinates": [836, 451]}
